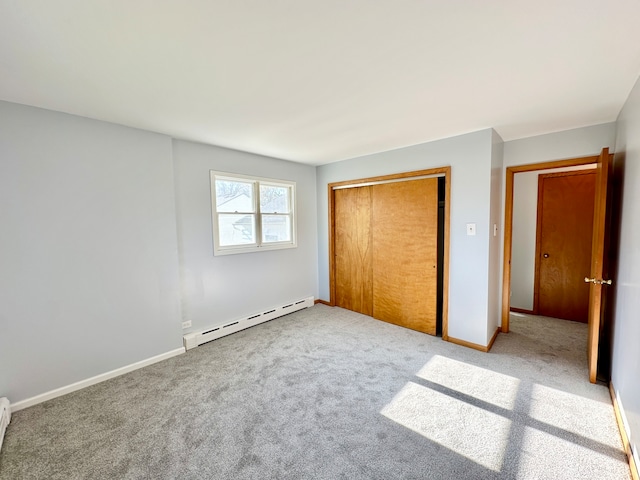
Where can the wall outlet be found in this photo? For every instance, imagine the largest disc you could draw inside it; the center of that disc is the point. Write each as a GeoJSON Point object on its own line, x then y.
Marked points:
{"type": "Point", "coordinates": [186, 324]}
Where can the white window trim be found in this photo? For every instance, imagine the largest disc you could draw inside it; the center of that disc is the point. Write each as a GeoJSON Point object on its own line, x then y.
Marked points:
{"type": "Point", "coordinates": [258, 246]}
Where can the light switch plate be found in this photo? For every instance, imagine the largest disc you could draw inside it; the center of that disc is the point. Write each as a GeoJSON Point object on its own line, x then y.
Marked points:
{"type": "Point", "coordinates": [471, 228]}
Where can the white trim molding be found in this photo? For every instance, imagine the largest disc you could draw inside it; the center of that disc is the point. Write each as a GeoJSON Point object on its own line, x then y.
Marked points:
{"type": "Point", "coordinates": [43, 397]}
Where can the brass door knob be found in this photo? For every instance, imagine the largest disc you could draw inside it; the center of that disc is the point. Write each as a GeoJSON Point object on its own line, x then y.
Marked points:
{"type": "Point", "coordinates": [595, 281]}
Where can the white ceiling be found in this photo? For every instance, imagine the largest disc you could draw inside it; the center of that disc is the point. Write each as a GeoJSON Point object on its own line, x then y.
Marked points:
{"type": "Point", "coordinates": [317, 81]}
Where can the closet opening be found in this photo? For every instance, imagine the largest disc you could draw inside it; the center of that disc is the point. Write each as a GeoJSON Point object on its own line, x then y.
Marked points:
{"type": "Point", "coordinates": [440, 277]}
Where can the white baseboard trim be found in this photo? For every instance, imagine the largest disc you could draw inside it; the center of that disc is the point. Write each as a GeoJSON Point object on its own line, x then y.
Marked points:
{"type": "Point", "coordinates": [43, 397]}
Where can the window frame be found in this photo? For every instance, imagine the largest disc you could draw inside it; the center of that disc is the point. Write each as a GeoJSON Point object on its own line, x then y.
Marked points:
{"type": "Point", "coordinates": [259, 245]}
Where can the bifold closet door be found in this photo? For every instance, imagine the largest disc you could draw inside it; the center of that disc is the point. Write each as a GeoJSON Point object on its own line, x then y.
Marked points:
{"type": "Point", "coordinates": [405, 253]}
{"type": "Point", "coordinates": [386, 249]}
{"type": "Point", "coordinates": [353, 249]}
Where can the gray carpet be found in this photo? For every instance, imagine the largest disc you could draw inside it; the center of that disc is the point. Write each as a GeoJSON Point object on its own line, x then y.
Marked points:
{"type": "Point", "coordinates": [325, 393]}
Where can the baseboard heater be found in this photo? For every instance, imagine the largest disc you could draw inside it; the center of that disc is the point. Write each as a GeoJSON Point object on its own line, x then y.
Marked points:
{"type": "Point", "coordinates": [5, 417]}
{"type": "Point", "coordinates": [194, 339]}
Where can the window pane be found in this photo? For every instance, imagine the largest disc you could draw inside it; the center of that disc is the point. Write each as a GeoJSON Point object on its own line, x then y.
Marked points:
{"type": "Point", "coordinates": [274, 199]}
{"type": "Point", "coordinates": [234, 196]}
{"type": "Point", "coordinates": [236, 229]}
{"type": "Point", "coordinates": [276, 228]}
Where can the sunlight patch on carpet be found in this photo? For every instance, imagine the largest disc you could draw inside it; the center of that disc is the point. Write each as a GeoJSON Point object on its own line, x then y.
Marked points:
{"type": "Point", "coordinates": [447, 421]}
{"type": "Point", "coordinates": [544, 452]}
{"type": "Point", "coordinates": [566, 411]}
{"type": "Point", "coordinates": [471, 380]}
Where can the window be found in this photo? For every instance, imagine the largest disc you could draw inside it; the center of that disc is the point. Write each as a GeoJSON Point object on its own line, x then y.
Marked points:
{"type": "Point", "coordinates": [251, 214]}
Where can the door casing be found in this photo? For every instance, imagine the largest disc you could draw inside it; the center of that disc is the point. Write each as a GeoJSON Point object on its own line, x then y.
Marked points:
{"type": "Point", "coordinates": [508, 222]}
{"type": "Point", "coordinates": [599, 240]}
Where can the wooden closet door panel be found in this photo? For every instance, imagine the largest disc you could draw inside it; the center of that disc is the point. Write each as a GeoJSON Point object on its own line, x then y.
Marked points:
{"type": "Point", "coordinates": [405, 252]}
{"type": "Point", "coordinates": [353, 249]}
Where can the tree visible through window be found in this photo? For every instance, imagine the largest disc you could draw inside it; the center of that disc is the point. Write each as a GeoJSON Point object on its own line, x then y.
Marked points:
{"type": "Point", "coordinates": [250, 213]}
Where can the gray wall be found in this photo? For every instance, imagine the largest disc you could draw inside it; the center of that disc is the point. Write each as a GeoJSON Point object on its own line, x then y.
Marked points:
{"type": "Point", "coordinates": [88, 251]}
{"type": "Point", "coordinates": [626, 354]}
{"type": "Point", "coordinates": [470, 159]}
{"type": "Point", "coordinates": [495, 238]}
{"type": "Point", "coordinates": [523, 239]}
{"type": "Point", "coordinates": [216, 290]}
{"type": "Point", "coordinates": [578, 142]}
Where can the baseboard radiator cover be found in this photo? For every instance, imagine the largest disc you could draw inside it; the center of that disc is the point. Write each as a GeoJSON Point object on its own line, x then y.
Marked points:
{"type": "Point", "coordinates": [195, 339]}
{"type": "Point", "coordinates": [5, 417]}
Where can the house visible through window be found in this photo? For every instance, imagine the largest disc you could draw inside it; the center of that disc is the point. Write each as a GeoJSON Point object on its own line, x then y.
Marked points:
{"type": "Point", "coordinates": [251, 214]}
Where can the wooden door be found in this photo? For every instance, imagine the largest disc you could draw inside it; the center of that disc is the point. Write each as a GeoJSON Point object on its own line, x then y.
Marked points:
{"type": "Point", "coordinates": [386, 251]}
{"type": "Point", "coordinates": [405, 253]}
{"type": "Point", "coordinates": [599, 280]}
{"type": "Point", "coordinates": [353, 249]}
{"type": "Point", "coordinates": [563, 244]}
